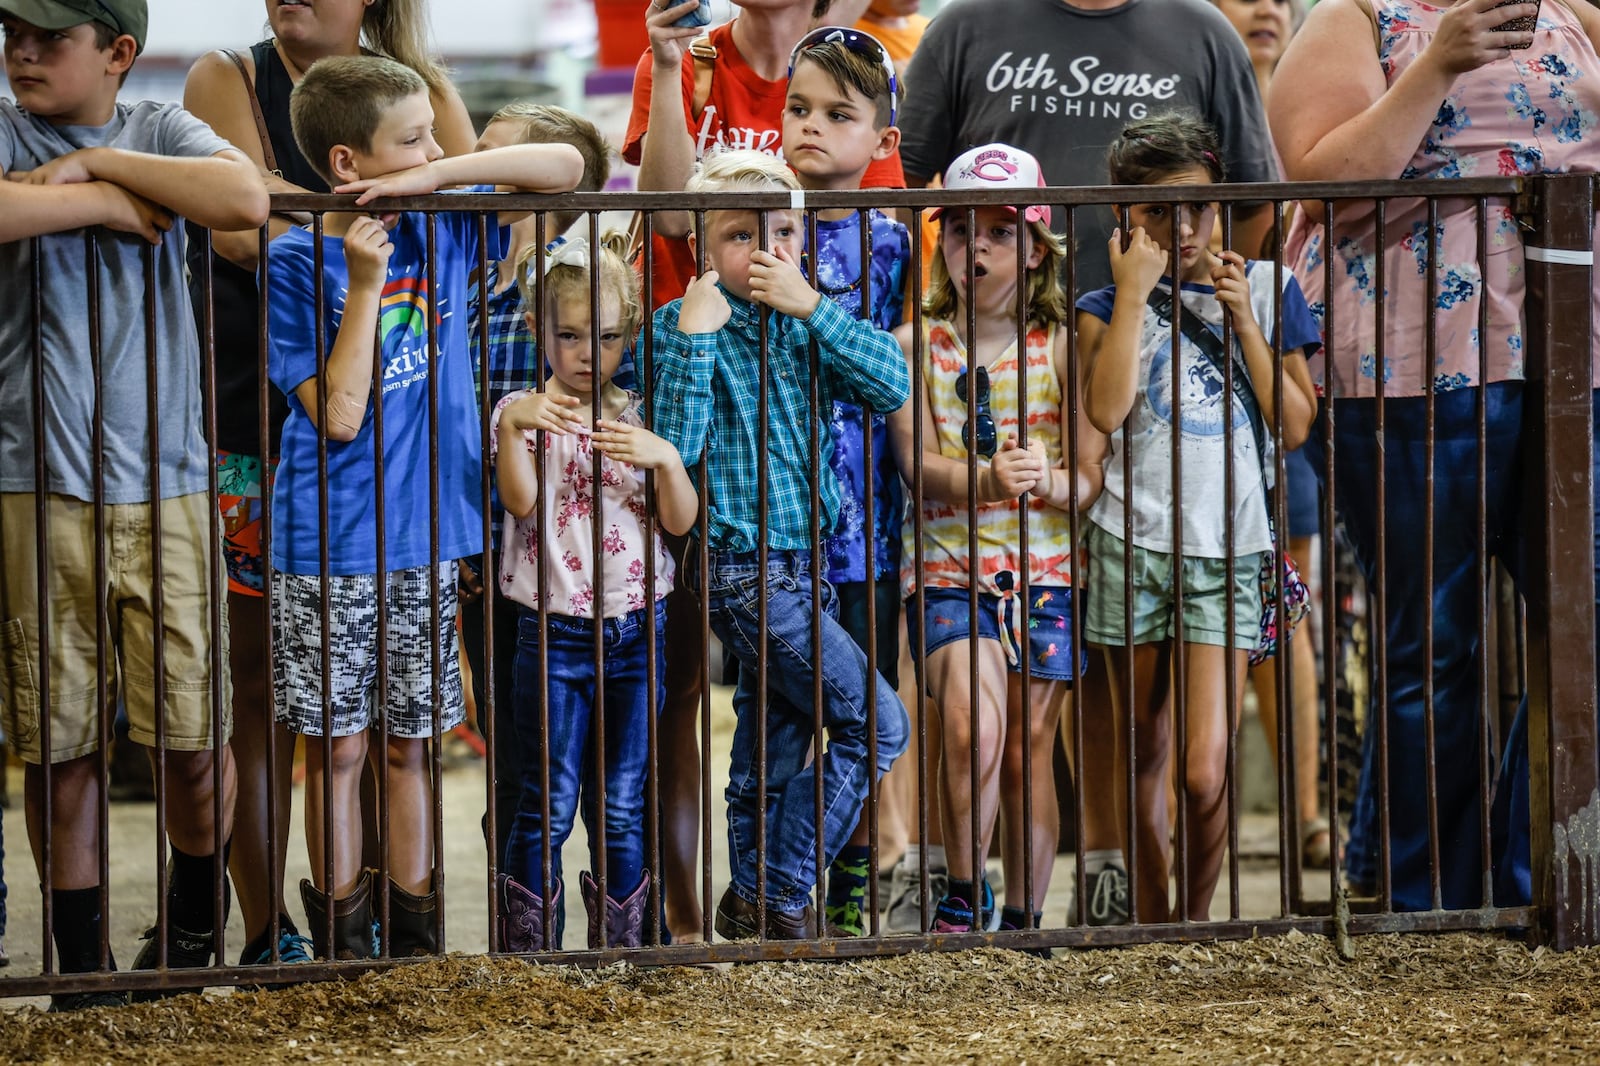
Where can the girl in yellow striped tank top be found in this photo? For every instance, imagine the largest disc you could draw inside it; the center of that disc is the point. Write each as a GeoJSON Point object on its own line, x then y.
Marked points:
{"type": "Point", "coordinates": [981, 438]}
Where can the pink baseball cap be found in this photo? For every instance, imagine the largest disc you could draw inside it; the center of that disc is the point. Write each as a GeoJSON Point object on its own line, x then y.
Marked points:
{"type": "Point", "coordinates": [997, 166]}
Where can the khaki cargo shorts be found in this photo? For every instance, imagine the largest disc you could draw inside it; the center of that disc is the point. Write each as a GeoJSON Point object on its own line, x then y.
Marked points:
{"type": "Point", "coordinates": [190, 557]}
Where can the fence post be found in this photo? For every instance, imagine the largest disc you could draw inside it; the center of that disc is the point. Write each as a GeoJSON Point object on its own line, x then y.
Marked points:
{"type": "Point", "coordinates": [1559, 519]}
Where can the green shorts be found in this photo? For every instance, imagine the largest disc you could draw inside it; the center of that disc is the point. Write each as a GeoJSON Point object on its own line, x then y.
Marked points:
{"type": "Point", "coordinates": [1205, 596]}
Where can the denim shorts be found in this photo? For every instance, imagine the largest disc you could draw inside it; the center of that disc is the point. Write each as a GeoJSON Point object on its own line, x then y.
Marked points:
{"type": "Point", "coordinates": [948, 616]}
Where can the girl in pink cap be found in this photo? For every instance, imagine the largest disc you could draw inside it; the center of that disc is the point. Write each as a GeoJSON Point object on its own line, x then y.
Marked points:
{"type": "Point", "coordinates": [992, 410]}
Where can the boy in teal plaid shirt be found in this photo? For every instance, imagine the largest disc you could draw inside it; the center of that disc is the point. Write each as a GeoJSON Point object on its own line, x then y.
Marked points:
{"type": "Point", "coordinates": [707, 380]}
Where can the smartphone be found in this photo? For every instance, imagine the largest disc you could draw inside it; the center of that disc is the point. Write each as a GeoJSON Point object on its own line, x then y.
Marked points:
{"type": "Point", "coordinates": [1524, 24]}
{"type": "Point", "coordinates": [700, 16]}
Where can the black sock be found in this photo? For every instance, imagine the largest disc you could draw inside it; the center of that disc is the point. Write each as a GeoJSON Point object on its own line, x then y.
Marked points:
{"type": "Point", "coordinates": [75, 924]}
{"type": "Point", "coordinates": [963, 890]}
{"type": "Point", "coordinates": [189, 896]}
{"type": "Point", "coordinates": [1012, 917]}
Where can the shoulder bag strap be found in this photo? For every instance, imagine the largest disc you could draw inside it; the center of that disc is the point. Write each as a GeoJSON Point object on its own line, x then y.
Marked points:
{"type": "Point", "coordinates": [255, 110]}
{"type": "Point", "coordinates": [1210, 346]}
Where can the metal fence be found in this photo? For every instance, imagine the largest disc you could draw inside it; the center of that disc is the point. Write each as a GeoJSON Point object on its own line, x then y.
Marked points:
{"type": "Point", "coordinates": [1555, 525]}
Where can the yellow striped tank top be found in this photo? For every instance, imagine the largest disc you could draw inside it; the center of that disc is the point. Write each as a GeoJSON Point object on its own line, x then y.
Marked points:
{"type": "Point", "coordinates": [945, 543]}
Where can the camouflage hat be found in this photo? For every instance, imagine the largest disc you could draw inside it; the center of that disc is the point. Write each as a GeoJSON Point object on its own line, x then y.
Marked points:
{"type": "Point", "coordinates": [124, 16]}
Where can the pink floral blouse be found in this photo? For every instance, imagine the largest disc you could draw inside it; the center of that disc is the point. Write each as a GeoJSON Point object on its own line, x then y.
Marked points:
{"type": "Point", "coordinates": [570, 511]}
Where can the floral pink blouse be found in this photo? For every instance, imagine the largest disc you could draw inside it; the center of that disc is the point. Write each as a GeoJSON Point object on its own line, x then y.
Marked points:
{"type": "Point", "coordinates": [569, 517]}
{"type": "Point", "coordinates": [1535, 111]}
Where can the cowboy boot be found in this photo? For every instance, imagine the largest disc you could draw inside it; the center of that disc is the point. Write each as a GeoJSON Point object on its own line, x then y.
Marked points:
{"type": "Point", "coordinates": [352, 920]}
{"type": "Point", "coordinates": [413, 930]}
{"type": "Point", "coordinates": [522, 918]}
{"type": "Point", "coordinates": [625, 918]}
{"type": "Point", "coordinates": [592, 904]}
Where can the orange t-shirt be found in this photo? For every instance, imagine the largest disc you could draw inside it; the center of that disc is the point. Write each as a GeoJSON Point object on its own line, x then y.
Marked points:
{"type": "Point", "coordinates": [744, 110]}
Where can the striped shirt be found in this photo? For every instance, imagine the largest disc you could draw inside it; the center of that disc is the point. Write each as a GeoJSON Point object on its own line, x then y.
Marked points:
{"type": "Point", "coordinates": [707, 389]}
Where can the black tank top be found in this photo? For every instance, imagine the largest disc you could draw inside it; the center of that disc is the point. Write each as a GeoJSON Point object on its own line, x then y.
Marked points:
{"type": "Point", "coordinates": [234, 290]}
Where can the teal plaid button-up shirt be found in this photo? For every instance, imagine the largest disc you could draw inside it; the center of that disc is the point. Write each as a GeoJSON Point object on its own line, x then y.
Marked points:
{"type": "Point", "coordinates": [707, 391]}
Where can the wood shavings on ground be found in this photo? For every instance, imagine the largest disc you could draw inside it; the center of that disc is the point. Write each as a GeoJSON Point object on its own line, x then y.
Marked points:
{"type": "Point", "coordinates": [1456, 998]}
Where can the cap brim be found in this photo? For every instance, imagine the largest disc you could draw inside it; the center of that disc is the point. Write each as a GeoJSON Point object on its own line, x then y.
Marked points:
{"type": "Point", "coordinates": [46, 16]}
{"type": "Point", "coordinates": [1035, 213]}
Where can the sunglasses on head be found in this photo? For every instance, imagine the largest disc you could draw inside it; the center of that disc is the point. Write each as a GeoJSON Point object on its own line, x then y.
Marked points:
{"type": "Point", "coordinates": [983, 420]}
{"type": "Point", "coordinates": [862, 44]}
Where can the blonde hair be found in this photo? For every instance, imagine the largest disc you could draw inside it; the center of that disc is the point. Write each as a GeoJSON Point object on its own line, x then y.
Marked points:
{"type": "Point", "coordinates": [398, 29]}
{"type": "Point", "coordinates": [741, 170]}
{"type": "Point", "coordinates": [568, 281]}
{"type": "Point", "coordinates": [1047, 301]}
{"type": "Point", "coordinates": [547, 124]}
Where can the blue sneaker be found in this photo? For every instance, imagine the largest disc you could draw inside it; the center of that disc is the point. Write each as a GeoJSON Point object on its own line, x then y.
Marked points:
{"type": "Point", "coordinates": [292, 947]}
{"type": "Point", "coordinates": [954, 914]}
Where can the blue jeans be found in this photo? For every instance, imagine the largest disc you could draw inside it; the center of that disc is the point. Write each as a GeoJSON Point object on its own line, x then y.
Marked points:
{"type": "Point", "coordinates": [1513, 882]}
{"type": "Point", "coordinates": [569, 657]}
{"type": "Point", "coordinates": [1455, 598]}
{"type": "Point", "coordinates": [731, 586]}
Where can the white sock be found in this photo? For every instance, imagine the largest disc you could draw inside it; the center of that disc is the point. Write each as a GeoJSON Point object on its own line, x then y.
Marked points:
{"type": "Point", "coordinates": [1097, 860]}
{"type": "Point", "coordinates": [936, 857]}
{"type": "Point", "coordinates": [912, 859]}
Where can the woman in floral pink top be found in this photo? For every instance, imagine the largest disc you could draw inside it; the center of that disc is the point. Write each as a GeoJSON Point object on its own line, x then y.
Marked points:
{"type": "Point", "coordinates": [1387, 89]}
{"type": "Point", "coordinates": [547, 435]}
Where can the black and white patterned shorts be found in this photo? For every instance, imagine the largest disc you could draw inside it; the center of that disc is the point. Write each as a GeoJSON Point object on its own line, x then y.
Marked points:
{"type": "Point", "coordinates": [353, 644]}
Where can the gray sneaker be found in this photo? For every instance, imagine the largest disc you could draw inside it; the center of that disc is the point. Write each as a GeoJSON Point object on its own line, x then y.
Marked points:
{"type": "Point", "coordinates": [1108, 898]}
{"type": "Point", "coordinates": [905, 899]}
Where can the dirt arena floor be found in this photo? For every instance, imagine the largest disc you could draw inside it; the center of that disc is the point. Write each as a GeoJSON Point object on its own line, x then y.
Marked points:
{"type": "Point", "coordinates": [1458, 998]}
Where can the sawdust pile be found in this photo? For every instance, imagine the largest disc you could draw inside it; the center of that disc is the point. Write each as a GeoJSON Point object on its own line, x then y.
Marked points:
{"type": "Point", "coordinates": [1469, 998]}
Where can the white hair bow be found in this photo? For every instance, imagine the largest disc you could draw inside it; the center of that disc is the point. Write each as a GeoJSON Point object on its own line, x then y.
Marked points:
{"type": "Point", "coordinates": [566, 252]}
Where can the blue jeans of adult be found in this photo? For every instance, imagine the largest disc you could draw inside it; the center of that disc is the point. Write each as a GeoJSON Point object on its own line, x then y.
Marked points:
{"type": "Point", "coordinates": [1513, 882]}
{"type": "Point", "coordinates": [569, 659]}
{"type": "Point", "coordinates": [1455, 599]}
{"type": "Point", "coordinates": [731, 587]}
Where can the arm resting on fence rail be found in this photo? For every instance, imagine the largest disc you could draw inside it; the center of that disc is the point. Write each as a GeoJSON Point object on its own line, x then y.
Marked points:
{"type": "Point", "coordinates": [222, 191]}
{"type": "Point", "coordinates": [541, 168]}
{"type": "Point", "coordinates": [35, 210]}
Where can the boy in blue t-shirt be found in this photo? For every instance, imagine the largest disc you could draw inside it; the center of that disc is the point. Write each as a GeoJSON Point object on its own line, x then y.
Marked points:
{"type": "Point", "coordinates": [77, 168]}
{"type": "Point", "coordinates": [837, 120]}
{"type": "Point", "coordinates": [366, 123]}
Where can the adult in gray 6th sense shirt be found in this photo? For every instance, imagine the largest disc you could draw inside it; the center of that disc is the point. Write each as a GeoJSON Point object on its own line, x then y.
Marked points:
{"type": "Point", "coordinates": [1061, 80]}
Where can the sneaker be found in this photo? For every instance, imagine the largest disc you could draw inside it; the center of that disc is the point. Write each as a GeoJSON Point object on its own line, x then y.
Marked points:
{"type": "Point", "coordinates": [847, 898]}
{"type": "Point", "coordinates": [64, 1002]}
{"type": "Point", "coordinates": [1108, 898]}
{"type": "Point", "coordinates": [905, 896]}
{"type": "Point", "coordinates": [292, 947]}
{"type": "Point", "coordinates": [185, 951]}
{"type": "Point", "coordinates": [954, 914]}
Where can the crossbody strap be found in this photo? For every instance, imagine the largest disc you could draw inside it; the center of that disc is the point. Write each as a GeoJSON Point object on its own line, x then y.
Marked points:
{"type": "Point", "coordinates": [255, 110]}
{"type": "Point", "coordinates": [1210, 345]}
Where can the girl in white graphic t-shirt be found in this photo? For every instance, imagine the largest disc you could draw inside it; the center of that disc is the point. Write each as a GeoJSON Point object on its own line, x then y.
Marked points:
{"type": "Point", "coordinates": [556, 697]}
{"type": "Point", "coordinates": [1134, 392]}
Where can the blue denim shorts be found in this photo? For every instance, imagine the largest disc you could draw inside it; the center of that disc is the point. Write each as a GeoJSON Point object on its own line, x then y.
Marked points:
{"type": "Point", "coordinates": [947, 618]}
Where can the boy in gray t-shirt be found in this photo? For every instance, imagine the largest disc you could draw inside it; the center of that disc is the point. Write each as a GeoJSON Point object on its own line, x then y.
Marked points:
{"type": "Point", "coordinates": [78, 169]}
{"type": "Point", "coordinates": [1061, 80]}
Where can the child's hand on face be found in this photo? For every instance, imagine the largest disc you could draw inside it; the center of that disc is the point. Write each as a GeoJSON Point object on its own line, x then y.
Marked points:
{"type": "Point", "coordinates": [543, 410]}
{"type": "Point", "coordinates": [417, 181]}
{"type": "Point", "coordinates": [366, 252]}
{"type": "Point", "coordinates": [776, 281]}
{"type": "Point", "coordinates": [704, 308]}
{"type": "Point", "coordinates": [1233, 289]}
{"type": "Point", "coordinates": [1017, 469]}
{"type": "Point", "coordinates": [1141, 266]}
{"type": "Point", "coordinates": [634, 445]}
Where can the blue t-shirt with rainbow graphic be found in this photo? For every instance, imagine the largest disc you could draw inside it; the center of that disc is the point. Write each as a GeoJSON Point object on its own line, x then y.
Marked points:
{"type": "Point", "coordinates": [408, 305]}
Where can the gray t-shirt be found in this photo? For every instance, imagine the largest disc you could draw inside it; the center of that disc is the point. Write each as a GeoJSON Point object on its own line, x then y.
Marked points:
{"type": "Point", "coordinates": [1062, 83]}
{"type": "Point", "coordinates": [27, 142]}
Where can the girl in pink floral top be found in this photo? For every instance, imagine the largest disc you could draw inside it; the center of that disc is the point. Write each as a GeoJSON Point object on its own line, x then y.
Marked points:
{"type": "Point", "coordinates": [593, 535]}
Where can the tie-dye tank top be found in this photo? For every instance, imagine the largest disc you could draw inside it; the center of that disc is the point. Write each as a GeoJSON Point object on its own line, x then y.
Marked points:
{"type": "Point", "coordinates": [945, 542]}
